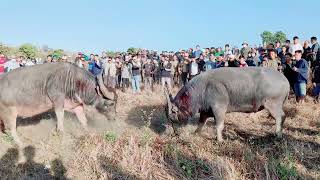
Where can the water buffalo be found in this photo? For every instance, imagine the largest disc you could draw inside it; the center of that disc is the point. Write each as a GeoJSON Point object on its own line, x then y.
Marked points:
{"type": "Point", "coordinates": [29, 91]}
{"type": "Point", "coordinates": [217, 92]}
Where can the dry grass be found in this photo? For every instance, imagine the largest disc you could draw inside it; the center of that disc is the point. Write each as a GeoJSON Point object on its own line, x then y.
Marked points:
{"type": "Point", "coordinates": [141, 147]}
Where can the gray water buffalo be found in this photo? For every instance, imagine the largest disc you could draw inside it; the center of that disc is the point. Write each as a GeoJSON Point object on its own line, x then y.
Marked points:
{"type": "Point", "coordinates": [26, 92]}
{"type": "Point", "coordinates": [217, 92]}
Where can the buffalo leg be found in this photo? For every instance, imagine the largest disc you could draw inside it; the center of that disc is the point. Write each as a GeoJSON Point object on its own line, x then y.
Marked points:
{"type": "Point", "coordinates": [10, 121]}
{"type": "Point", "coordinates": [219, 115]}
{"type": "Point", "coordinates": [58, 102]}
{"type": "Point", "coordinates": [204, 115]}
{"type": "Point", "coordinates": [277, 113]}
{"type": "Point", "coordinates": [60, 118]}
{"type": "Point", "coordinates": [79, 111]}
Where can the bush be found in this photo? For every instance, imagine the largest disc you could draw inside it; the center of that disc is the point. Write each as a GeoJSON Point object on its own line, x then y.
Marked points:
{"type": "Point", "coordinates": [110, 136]}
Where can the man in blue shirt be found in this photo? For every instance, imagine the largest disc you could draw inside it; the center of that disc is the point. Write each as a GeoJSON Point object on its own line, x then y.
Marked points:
{"type": "Point", "coordinates": [197, 52]}
{"type": "Point", "coordinates": [211, 63]}
{"type": "Point", "coordinates": [301, 69]}
{"type": "Point", "coordinates": [96, 65]}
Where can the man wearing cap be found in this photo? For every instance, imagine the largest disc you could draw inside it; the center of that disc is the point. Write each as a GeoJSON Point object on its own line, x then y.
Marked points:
{"type": "Point", "coordinates": [245, 50]}
{"type": "Point", "coordinates": [301, 69]}
{"type": "Point", "coordinates": [295, 46]}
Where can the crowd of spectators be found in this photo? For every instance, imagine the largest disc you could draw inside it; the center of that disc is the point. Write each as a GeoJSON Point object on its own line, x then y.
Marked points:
{"type": "Point", "coordinates": [149, 68]}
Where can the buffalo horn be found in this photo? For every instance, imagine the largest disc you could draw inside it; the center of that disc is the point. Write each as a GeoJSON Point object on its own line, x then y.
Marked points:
{"type": "Point", "coordinates": [104, 90]}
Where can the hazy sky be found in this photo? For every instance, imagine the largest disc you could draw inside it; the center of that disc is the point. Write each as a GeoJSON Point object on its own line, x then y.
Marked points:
{"type": "Point", "coordinates": [96, 25]}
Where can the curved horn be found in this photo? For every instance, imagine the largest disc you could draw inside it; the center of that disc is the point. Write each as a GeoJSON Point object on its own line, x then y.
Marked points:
{"type": "Point", "coordinates": [104, 90]}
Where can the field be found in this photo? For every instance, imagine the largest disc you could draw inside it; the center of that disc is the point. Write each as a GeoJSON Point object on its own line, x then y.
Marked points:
{"type": "Point", "coordinates": [137, 145]}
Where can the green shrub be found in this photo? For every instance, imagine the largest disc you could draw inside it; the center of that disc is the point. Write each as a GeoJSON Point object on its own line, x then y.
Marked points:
{"type": "Point", "coordinates": [110, 136]}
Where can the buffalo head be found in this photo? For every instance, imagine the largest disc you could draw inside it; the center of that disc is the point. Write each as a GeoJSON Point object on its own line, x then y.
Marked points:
{"type": "Point", "coordinates": [107, 96]}
{"type": "Point", "coordinates": [172, 112]}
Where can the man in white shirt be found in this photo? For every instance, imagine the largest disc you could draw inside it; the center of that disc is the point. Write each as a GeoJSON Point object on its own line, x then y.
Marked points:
{"type": "Point", "coordinates": [11, 64]}
{"type": "Point", "coordinates": [194, 68]}
{"type": "Point", "coordinates": [295, 46]}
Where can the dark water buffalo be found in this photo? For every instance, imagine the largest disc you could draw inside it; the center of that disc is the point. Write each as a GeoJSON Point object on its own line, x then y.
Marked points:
{"type": "Point", "coordinates": [217, 92]}
{"type": "Point", "coordinates": [29, 91]}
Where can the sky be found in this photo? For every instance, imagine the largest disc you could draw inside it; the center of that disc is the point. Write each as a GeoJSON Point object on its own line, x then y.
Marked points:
{"type": "Point", "coordinates": [98, 25]}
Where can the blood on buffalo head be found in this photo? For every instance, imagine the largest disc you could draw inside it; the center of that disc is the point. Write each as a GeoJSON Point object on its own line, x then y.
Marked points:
{"type": "Point", "coordinates": [172, 112]}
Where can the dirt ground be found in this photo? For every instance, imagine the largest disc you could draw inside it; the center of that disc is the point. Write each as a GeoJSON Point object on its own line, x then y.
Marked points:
{"type": "Point", "coordinates": [137, 144]}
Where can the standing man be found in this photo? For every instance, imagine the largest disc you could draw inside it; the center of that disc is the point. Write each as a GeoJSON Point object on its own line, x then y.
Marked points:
{"type": "Point", "coordinates": [287, 44]}
{"type": "Point", "coordinates": [245, 50]}
{"type": "Point", "coordinates": [211, 63]}
{"type": "Point", "coordinates": [232, 62]}
{"type": "Point", "coordinates": [288, 71]}
{"type": "Point", "coordinates": [136, 77]}
{"type": "Point", "coordinates": [174, 69]}
{"type": "Point", "coordinates": [109, 74]}
{"type": "Point", "coordinates": [273, 62]}
{"type": "Point", "coordinates": [197, 52]}
{"type": "Point", "coordinates": [11, 64]}
{"type": "Point", "coordinates": [166, 74]}
{"type": "Point", "coordinates": [185, 64]}
{"type": "Point", "coordinates": [295, 46]}
{"type": "Point", "coordinates": [126, 74]}
{"type": "Point", "coordinates": [194, 68]}
{"type": "Point", "coordinates": [96, 65]}
{"type": "Point", "coordinates": [301, 69]}
{"type": "Point", "coordinates": [316, 80]}
{"type": "Point", "coordinates": [148, 71]}
{"type": "Point", "coordinates": [278, 47]}
{"type": "Point", "coordinates": [315, 50]}
{"type": "Point", "coordinates": [227, 50]}
{"type": "Point", "coordinates": [2, 63]}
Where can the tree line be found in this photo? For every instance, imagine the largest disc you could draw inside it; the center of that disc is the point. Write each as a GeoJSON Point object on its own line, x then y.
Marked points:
{"type": "Point", "coordinates": [30, 51]}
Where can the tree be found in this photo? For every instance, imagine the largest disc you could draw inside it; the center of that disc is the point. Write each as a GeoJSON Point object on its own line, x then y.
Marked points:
{"type": "Point", "coordinates": [58, 53]}
{"type": "Point", "coordinates": [4, 49]}
{"type": "Point", "coordinates": [29, 51]}
{"type": "Point", "coordinates": [132, 50]}
{"type": "Point", "coordinates": [280, 36]}
{"type": "Point", "coordinates": [267, 37]}
{"type": "Point", "coordinates": [111, 54]}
